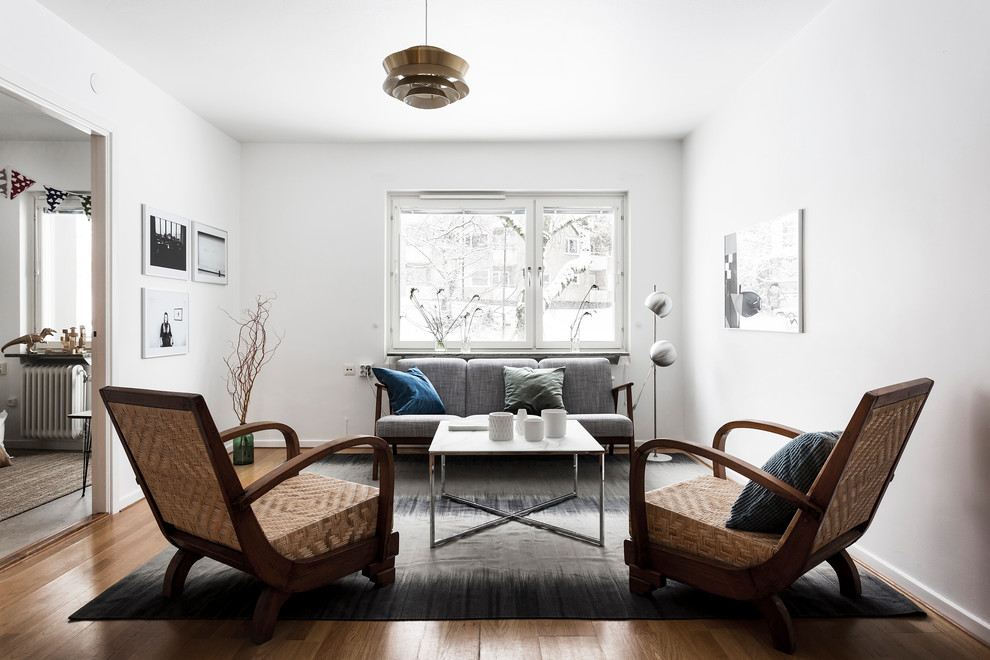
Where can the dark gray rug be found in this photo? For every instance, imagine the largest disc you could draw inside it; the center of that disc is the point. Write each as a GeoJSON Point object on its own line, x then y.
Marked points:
{"type": "Point", "coordinates": [512, 571]}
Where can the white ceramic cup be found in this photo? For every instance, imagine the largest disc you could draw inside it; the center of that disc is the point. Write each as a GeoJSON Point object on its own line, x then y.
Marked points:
{"type": "Point", "coordinates": [555, 423]}
{"type": "Point", "coordinates": [521, 421]}
{"type": "Point", "coordinates": [500, 426]}
{"type": "Point", "coordinates": [534, 429]}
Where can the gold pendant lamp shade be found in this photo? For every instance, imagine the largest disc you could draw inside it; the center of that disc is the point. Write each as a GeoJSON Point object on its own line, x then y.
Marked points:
{"type": "Point", "coordinates": [425, 77]}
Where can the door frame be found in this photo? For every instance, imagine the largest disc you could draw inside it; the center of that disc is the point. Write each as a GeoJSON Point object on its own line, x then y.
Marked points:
{"type": "Point", "coordinates": [103, 500]}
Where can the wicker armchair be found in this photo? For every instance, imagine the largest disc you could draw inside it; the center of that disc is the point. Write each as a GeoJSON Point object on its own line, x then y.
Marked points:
{"type": "Point", "coordinates": [679, 532]}
{"type": "Point", "coordinates": [293, 531]}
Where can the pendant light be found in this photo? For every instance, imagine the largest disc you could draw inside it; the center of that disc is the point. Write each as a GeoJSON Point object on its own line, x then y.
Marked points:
{"type": "Point", "coordinates": [424, 76]}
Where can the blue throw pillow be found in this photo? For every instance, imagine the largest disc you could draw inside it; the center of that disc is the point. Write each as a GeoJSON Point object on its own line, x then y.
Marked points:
{"type": "Point", "coordinates": [797, 464]}
{"type": "Point", "coordinates": [410, 392]}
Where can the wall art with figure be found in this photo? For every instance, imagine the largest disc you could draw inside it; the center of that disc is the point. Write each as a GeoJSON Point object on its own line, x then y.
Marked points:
{"type": "Point", "coordinates": [166, 323]}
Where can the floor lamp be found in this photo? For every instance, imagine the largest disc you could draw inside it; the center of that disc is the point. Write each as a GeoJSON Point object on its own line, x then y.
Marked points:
{"type": "Point", "coordinates": [662, 353]}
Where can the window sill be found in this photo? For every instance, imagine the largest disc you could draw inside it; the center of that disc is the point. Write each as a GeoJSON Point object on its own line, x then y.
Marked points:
{"type": "Point", "coordinates": [611, 355]}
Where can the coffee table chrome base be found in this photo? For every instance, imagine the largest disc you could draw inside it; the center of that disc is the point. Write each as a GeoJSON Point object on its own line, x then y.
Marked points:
{"type": "Point", "coordinates": [518, 516]}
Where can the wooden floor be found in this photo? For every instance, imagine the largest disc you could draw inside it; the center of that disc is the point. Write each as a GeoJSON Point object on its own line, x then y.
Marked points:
{"type": "Point", "coordinates": [38, 594]}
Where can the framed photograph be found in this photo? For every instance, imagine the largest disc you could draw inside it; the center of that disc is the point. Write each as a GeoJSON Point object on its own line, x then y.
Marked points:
{"type": "Point", "coordinates": [166, 244]}
{"type": "Point", "coordinates": [165, 330]}
{"type": "Point", "coordinates": [763, 276]}
{"type": "Point", "coordinates": [209, 254]}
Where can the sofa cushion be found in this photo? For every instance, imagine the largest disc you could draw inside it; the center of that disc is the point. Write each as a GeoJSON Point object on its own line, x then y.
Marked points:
{"type": "Point", "coordinates": [587, 384]}
{"type": "Point", "coordinates": [409, 426]}
{"type": "Point", "coordinates": [447, 376]}
{"type": "Point", "coordinates": [533, 389]}
{"type": "Point", "coordinates": [486, 383]}
{"type": "Point", "coordinates": [610, 425]}
{"type": "Point", "coordinates": [797, 464]}
{"type": "Point", "coordinates": [410, 392]}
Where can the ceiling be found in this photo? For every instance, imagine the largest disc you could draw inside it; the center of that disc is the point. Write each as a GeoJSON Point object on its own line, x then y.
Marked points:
{"type": "Point", "coordinates": [310, 71]}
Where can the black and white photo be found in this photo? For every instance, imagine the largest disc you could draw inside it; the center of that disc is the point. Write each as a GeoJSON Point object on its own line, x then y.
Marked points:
{"type": "Point", "coordinates": [166, 323]}
{"type": "Point", "coordinates": [209, 254]}
{"type": "Point", "coordinates": [166, 244]}
{"type": "Point", "coordinates": [762, 275]}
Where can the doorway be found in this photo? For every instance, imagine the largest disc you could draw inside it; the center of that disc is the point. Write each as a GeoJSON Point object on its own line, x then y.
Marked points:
{"type": "Point", "coordinates": [30, 129]}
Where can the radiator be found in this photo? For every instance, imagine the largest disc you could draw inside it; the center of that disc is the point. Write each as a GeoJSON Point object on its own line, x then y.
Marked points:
{"type": "Point", "coordinates": [49, 394]}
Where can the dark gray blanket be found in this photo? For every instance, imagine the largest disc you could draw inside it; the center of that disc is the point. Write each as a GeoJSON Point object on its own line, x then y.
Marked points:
{"type": "Point", "coordinates": [511, 571]}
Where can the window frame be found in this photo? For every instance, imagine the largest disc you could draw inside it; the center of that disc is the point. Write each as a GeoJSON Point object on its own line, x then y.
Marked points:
{"type": "Point", "coordinates": [533, 204]}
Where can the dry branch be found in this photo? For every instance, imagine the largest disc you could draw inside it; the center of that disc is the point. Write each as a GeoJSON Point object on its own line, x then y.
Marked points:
{"type": "Point", "coordinates": [250, 354]}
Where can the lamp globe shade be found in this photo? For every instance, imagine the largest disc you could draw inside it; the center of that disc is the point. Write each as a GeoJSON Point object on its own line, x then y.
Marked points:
{"type": "Point", "coordinates": [663, 353]}
{"type": "Point", "coordinates": [660, 303]}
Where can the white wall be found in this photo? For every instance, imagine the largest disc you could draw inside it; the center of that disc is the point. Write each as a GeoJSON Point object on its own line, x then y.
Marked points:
{"type": "Point", "coordinates": [62, 165]}
{"type": "Point", "coordinates": [314, 231]}
{"type": "Point", "coordinates": [162, 155]}
{"type": "Point", "coordinates": [875, 120]}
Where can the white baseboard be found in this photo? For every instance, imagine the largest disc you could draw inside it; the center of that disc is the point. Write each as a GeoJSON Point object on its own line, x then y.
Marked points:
{"type": "Point", "coordinates": [129, 498]}
{"type": "Point", "coordinates": [958, 615]}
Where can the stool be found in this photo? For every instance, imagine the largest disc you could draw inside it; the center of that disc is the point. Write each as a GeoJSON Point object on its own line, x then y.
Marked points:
{"type": "Point", "coordinates": [87, 417]}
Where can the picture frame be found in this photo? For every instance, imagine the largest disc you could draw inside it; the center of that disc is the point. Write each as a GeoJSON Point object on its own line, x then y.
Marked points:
{"type": "Point", "coordinates": [165, 323]}
{"type": "Point", "coordinates": [763, 276]}
{"type": "Point", "coordinates": [165, 245]}
{"type": "Point", "coordinates": [209, 254]}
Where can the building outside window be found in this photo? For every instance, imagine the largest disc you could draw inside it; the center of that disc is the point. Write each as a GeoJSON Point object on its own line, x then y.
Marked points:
{"type": "Point", "coordinates": [527, 271]}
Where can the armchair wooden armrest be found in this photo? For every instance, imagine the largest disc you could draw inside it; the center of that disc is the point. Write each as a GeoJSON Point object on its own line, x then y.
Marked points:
{"type": "Point", "coordinates": [295, 465]}
{"type": "Point", "coordinates": [759, 425]}
{"type": "Point", "coordinates": [615, 399]}
{"type": "Point", "coordinates": [291, 439]}
{"type": "Point", "coordinates": [718, 457]}
{"type": "Point", "coordinates": [379, 389]}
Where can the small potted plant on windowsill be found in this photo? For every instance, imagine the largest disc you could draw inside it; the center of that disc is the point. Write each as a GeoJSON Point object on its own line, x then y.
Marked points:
{"type": "Point", "coordinates": [245, 361]}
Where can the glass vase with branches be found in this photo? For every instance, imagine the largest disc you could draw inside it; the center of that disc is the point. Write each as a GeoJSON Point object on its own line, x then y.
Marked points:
{"type": "Point", "coordinates": [252, 351]}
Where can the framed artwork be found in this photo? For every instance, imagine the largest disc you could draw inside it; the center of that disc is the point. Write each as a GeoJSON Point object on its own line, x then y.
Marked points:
{"type": "Point", "coordinates": [165, 327]}
{"type": "Point", "coordinates": [166, 244]}
{"type": "Point", "coordinates": [763, 276]}
{"type": "Point", "coordinates": [209, 254]}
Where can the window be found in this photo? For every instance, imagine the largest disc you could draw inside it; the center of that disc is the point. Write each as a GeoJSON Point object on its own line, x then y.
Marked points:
{"type": "Point", "coordinates": [517, 273]}
{"type": "Point", "coordinates": [63, 270]}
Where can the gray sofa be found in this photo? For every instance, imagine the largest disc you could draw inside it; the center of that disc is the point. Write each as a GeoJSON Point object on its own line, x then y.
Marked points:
{"type": "Point", "coordinates": [477, 387]}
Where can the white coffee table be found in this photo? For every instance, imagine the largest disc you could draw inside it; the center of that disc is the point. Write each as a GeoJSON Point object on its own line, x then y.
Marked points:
{"type": "Point", "coordinates": [476, 443]}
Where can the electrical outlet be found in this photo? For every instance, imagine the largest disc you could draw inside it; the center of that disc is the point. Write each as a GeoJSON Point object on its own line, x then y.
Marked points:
{"type": "Point", "coordinates": [3, 367]}
{"type": "Point", "coordinates": [349, 369]}
{"type": "Point", "coordinates": [365, 370]}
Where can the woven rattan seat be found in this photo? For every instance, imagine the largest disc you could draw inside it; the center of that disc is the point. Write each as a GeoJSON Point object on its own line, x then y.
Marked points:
{"type": "Point", "coordinates": [678, 532]}
{"type": "Point", "coordinates": [310, 515]}
{"type": "Point", "coordinates": [293, 530]}
{"type": "Point", "coordinates": [690, 517]}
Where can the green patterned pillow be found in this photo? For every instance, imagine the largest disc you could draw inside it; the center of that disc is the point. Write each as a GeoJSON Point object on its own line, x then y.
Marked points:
{"type": "Point", "coordinates": [533, 389]}
{"type": "Point", "coordinates": [797, 464]}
